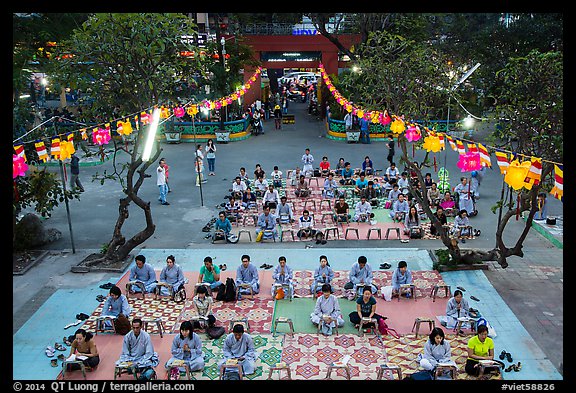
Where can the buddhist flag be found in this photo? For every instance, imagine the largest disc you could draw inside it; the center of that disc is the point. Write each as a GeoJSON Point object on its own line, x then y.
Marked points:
{"type": "Point", "coordinates": [472, 148]}
{"type": "Point", "coordinates": [136, 121]}
{"type": "Point", "coordinates": [452, 144]}
{"type": "Point", "coordinates": [558, 189]}
{"type": "Point", "coordinates": [55, 148]}
{"type": "Point", "coordinates": [535, 171]}
{"type": "Point", "coordinates": [460, 145]}
{"type": "Point", "coordinates": [502, 159]}
{"type": "Point", "coordinates": [442, 144]}
{"type": "Point", "coordinates": [20, 151]}
{"type": "Point", "coordinates": [70, 138]}
{"type": "Point", "coordinates": [120, 127]}
{"type": "Point", "coordinates": [41, 150]}
{"type": "Point", "coordinates": [84, 133]}
{"type": "Point", "coordinates": [484, 156]}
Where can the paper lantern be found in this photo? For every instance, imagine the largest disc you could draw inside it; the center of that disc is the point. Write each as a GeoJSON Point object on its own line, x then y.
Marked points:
{"type": "Point", "coordinates": [516, 173]}
{"type": "Point", "coordinates": [178, 111]}
{"type": "Point", "coordinates": [431, 144]}
{"type": "Point", "coordinates": [101, 136]}
{"type": "Point", "coordinates": [413, 134]}
{"type": "Point", "coordinates": [348, 108]}
{"type": "Point", "coordinates": [127, 127]}
{"type": "Point", "coordinates": [19, 166]}
{"type": "Point", "coordinates": [218, 105]}
{"type": "Point", "coordinates": [192, 110]}
{"type": "Point", "coordinates": [469, 162]}
{"type": "Point", "coordinates": [66, 149]}
{"type": "Point", "coordinates": [360, 113]}
{"type": "Point", "coordinates": [397, 126]}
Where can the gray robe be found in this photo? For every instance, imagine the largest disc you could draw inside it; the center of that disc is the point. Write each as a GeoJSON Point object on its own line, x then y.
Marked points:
{"type": "Point", "coordinates": [364, 275]}
{"type": "Point", "coordinates": [173, 276]}
{"type": "Point", "coordinates": [241, 348]}
{"type": "Point", "coordinates": [434, 354]}
{"type": "Point", "coordinates": [284, 279]}
{"type": "Point", "coordinates": [138, 350]}
{"type": "Point", "coordinates": [146, 275]}
{"type": "Point", "coordinates": [330, 307]}
{"type": "Point", "coordinates": [319, 280]}
{"type": "Point", "coordinates": [194, 358]}
{"type": "Point", "coordinates": [452, 311]}
{"type": "Point", "coordinates": [248, 275]}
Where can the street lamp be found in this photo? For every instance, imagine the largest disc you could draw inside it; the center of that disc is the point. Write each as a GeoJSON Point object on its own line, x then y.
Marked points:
{"type": "Point", "coordinates": [223, 43]}
{"type": "Point", "coordinates": [458, 83]}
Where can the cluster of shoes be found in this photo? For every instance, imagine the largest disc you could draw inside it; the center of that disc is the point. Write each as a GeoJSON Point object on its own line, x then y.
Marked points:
{"type": "Point", "coordinates": [51, 352]}
{"type": "Point", "coordinates": [508, 356]}
{"type": "Point", "coordinates": [385, 266]}
{"type": "Point", "coordinates": [320, 241]}
{"type": "Point", "coordinates": [223, 267]}
{"type": "Point", "coordinates": [266, 266]}
{"type": "Point", "coordinates": [208, 226]}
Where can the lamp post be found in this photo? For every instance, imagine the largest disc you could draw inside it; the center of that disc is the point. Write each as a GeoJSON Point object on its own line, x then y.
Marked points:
{"type": "Point", "coordinates": [223, 43]}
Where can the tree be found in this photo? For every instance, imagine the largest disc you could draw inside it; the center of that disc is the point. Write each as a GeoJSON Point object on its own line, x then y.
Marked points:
{"type": "Point", "coordinates": [127, 63]}
{"type": "Point", "coordinates": [411, 79]}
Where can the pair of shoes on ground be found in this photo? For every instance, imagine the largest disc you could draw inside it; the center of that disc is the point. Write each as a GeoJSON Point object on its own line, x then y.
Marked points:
{"type": "Point", "coordinates": [319, 241]}
{"type": "Point", "coordinates": [223, 267]}
{"type": "Point", "coordinates": [82, 316]}
{"type": "Point", "coordinates": [515, 367]}
{"type": "Point", "coordinates": [165, 203]}
{"type": "Point", "coordinates": [506, 355]}
{"type": "Point", "coordinates": [266, 266]}
{"type": "Point", "coordinates": [68, 340]}
{"type": "Point", "coordinates": [108, 285]}
{"type": "Point", "coordinates": [385, 266]}
{"type": "Point", "coordinates": [99, 298]}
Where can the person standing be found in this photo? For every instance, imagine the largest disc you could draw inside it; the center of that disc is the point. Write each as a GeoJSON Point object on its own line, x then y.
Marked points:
{"type": "Point", "coordinates": [167, 169]}
{"type": "Point", "coordinates": [308, 162]}
{"type": "Point", "coordinates": [199, 171]}
{"type": "Point", "coordinates": [161, 181]}
{"type": "Point", "coordinates": [348, 121]}
{"type": "Point", "coordinates": [364, 131]}
{"type": "Point", "coordinates": [74, 172]}
{"type": "Point", "coordinates": [390, 146]}
{"type": "Point", "coordinates": [211, 156]}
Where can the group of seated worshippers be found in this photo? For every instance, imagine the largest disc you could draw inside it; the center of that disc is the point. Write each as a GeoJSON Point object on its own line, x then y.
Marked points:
{"type": "Point", "coordinates": [138, 353]}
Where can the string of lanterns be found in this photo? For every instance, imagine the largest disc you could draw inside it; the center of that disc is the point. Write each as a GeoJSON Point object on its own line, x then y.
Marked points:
{"type": "Point", "coordinates": [62, 146]}
{"type": "Point", "coordinates": [516, 174]}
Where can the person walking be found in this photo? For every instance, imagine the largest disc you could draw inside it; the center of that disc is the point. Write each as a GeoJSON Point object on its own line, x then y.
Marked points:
{"type": "Point", "coordinates": [161, 181]}
{"type": "Point", "coordinates": [74, 172]}
{"type": "Point", "coordinates": [390, 146]}
{"type": "Point", "coordinates": [278, 117]}
{"type": "Point", "coordinates": [211, 156]}
{"type": "Point", "coordinates": [199, 171]}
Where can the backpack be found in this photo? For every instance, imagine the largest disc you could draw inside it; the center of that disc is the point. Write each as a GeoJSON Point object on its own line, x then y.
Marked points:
{"type": "Point", "coordinates": [385, 330]}
{"type": "Point", "coordinates": [229, 290]}
{"type": "Point", "coordinates": [215, 332]}
{"type": "Point", "coordinates": [423, 375]}
{"type": "Point", "coordinates": [180, 294]}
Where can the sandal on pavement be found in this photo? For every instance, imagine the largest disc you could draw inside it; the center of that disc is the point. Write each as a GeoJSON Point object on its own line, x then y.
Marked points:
{"type": "Point", "coordinates": [65, 339]}
{"type": "Point", "coordinates": [224, 267]}
{"type": "Point", "coordinates": [474, 298]}
{"type": "Point", "coordinates": [502, 355]}
{"type": "Point", "coordinates": [61, 357]}
{"type": "Point", "coordinates": [50, 351]}
{"type": "Point", "coordinates": [509, 357]}
{"type": "Point", "coordinates": [518, 366]}
{"type": "Point", "coordinates": [100, 298]}
{"type": "Point", "coordinates": [54, 362]}
{"type": "Point", "coordinates": [461, 288]}
{"type": "Point", "coordinates": [509, 368]}
{"type": "Point", "coordinates": [59, 347]}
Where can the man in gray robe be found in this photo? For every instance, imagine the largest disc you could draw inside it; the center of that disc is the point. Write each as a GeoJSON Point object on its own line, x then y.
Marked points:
{"type": "Point", "coordinates": [141, 272]}
{"type": "Point", "coordinates": [361, 275]}
{"type": "Point", "coordinates": [239, 345]}
{"type": "Point", "coordinates": [137, 348]}
{"type": "Point", "coordinates": [283, 276]}
{"type": "Point", "coordinates": [247, 274]}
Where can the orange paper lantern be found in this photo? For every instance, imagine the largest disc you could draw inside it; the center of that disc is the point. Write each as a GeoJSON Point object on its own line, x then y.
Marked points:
{"type": "Point", "coordinates": [516, 173]}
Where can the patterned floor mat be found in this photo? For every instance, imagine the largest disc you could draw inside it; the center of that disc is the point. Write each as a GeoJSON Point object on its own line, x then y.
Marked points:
{"type": "Point", "coordinates": [258, 311]}
{"type": "Point", "coordinates": [309, 355]}
{"type": "Point", "coordinates": [423, 279]}
{"type": "Point", "coordinates": [269, 353]}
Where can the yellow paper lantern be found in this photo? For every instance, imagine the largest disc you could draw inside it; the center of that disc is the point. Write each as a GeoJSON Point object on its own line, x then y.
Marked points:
{"type": "Point", "coordinates": [348, 107]}
{"type": "Point", "coordinates": [431, 144]}
{"type": "Point", "coordinates": [360, 113]}
{"type": "Point", "coordinates": [516, 173]}
{"type": "Point", "coordinates": [397, 126]}
{"type": "Point", "coordinates": [66, 149]}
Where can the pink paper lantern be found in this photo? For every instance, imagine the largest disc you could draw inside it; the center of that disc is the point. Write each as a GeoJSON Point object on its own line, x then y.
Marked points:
{"type": "Point", "coordinates": [179, 111]}
{"type": "Point", "coordinates": [469, 162]}
{"type": "Point", "coordinates": [413, 134]}
{"type": "Point", "coordinates": [101, 136]}
{"type": "Point", "coordinates": [19, 166]}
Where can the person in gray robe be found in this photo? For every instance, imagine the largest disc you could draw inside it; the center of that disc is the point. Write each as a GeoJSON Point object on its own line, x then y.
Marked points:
{"type": "Point", "coordinates": [283, 275]}
{"type": "Point", "coordinates": [239, 345]}
{"type": "Point", "coordinates": [137, 348]}
{"type": "Point", "coordinates": [322, 275]}
{"type": "Point", "coordinates": [327, 311]}
{"type": "Point", "coordinates": [115, 304]}
{"type": "Point", "coordinates": [171, 274]}
{"type": "Point", "coordinates": [436, 350]}
{"type": "Point", "coordinates": [402, 275]}
{"type": "Point", "coordinates": [187, 346]}
{"type": "Point", "coordinates": [456, 307]}
{"type": "Point", "coordinates": [361, 273]}
{"type": "Point", "coordinates": [247, 274]}
{"type": "Point", "coordinates": [143, 273]}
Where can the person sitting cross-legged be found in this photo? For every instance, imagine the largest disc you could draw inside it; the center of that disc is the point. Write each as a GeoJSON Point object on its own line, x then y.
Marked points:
{"type": "Point", "coordinates": [222, 226]}
{"type": "Point", "coordinates": [266, 222]}
{"type": "Point", "coordinates": [402, 275]}
{"type": "Point", "coordinates": [203, 303]}
{"type": "Point", "coordinates": [239, 345]}
{"type": "Point", "coordinates": [271, 197]}
{"type": "Point", "coordinates": [341, 210]}
{"type": "Point", "coordinates": [234, 209]}
{"type": "Point", "coordinates": [238, 188]}
{"type": "Point", "coordinates": [330, 187]}
{"type": "Point", "coordinates": [138, 349]}
{"type": "Point", "coordinates": [172, 275]}
{"type": "Point", "coordinates": [187, 346]}
{"type": "Point", "coordinates": [306, 226]}
{"type": "Point", "coordinates": [283, 275]}
{"type": "Point", "coordinates": [361, 275]}
{"type": "Point", "coordinates": [327, 311]}
{"type": "Point", "coordinates": [399, 209]}
{"type": "Point", "coordinates": [247, 274]}
{"type": "Point", "coordinates": [302, 189]}
{"type": "Point", "coordinates": [462, 225]}
{"type": "Point", "coordinates": [322, 275]}
{"type": "Point", "coordinates": [209, 274]}
{"type": "Point", "coordinates": [284, 214]}
{"type": "Point", "coordinates": [142, 273]}
{"type": "Point", "coordinates": [365, 308]}
{"type": "Point", "coordinates": [249, 199]}
{"type": "Point", "coordinates": [361, 184]}
{"type": "Point", "coordinates": [83, 345]}
{"type": "Point", "coordinates": [347, 175]}
{"type": "Point", "coordinates": [363, 210]}
{"type": "Point", "coordinates": [116, 305]}
{"type": "Point", "coordinates": [436, 350]}
{"type": "Point", "coordinates": [412, 222]}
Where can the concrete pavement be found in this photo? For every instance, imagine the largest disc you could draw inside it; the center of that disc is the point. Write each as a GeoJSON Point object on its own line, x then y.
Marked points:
{"type": "Point", "coordinates": [531, 286]}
